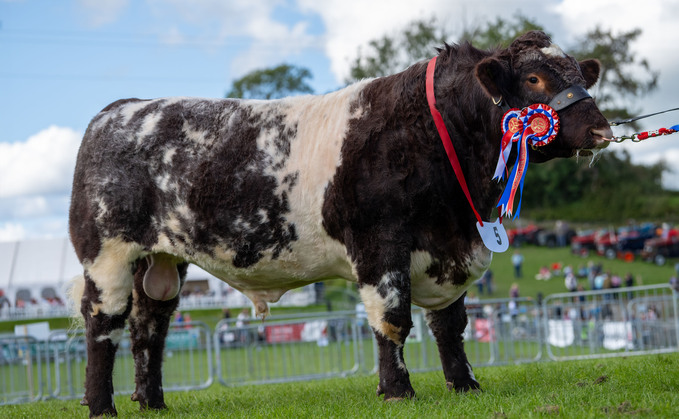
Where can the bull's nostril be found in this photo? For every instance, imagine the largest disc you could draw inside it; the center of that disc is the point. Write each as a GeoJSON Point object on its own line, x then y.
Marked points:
{"type": "Point", "coordinates": [602, 133]}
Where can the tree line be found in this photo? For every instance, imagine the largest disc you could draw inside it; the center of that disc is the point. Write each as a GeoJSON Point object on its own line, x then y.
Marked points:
{"type": "Point", "coordinates": [606, 188]}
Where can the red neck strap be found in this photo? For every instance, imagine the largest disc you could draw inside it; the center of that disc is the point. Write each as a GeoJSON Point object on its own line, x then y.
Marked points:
{"type": "Point", "coordinates": [445, 138]}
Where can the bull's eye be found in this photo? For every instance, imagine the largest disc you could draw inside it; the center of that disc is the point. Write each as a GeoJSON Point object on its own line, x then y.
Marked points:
{"type": "Point", "coordinates": [533, 80]}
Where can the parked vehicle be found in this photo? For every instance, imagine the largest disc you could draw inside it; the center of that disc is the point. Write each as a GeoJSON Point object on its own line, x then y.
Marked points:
{"type": "Point", "coordinates": [659, 249]}
{"type": "Point", "coordinates": [549, 238]}
{"type": "Point", "coordinates": [626, 242]}
{"type": "Point", "coordinates": [523, 235]}
{"type": "Point", "coordinates": [583, 242]}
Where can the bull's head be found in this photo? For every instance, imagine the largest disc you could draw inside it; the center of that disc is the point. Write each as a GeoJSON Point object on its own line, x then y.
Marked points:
{"type": "Point", "coordinates": [533, 70]}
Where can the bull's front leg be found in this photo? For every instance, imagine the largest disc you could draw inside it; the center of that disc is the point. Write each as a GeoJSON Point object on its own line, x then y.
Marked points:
{"type": "Point", "coordinates": [387, 304]}
{"type": "Point", "coordinates": [448, 326]}
{"type": "Point", "coordinates": [149, 324]}
{"type": "Point", "coordinates": [103, 332]}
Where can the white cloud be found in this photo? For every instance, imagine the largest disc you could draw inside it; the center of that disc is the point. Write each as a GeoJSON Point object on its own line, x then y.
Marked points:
{"type": "Point", "coordinates": [42, 164]}
{"type": "Point", "coordinates": [11, 232]}
{"type": "Point", "coordinates": [102, 12]}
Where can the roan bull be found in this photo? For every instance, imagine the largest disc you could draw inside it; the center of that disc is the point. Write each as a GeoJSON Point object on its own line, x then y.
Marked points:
{"type": "Point", "coordinates": [273, 195]}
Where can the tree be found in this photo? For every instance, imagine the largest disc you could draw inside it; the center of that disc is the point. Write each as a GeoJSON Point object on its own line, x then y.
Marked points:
{"type": "Point", "coordinates": [500, 33]}
{"type": "Point", "coordinates": [623, 76]}
{"type": "Point", "coordinates": [272, 83]}
{"type": "Point", "coordinates": [390, 54]}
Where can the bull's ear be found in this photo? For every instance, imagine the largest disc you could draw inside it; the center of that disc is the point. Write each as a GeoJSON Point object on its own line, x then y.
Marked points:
{"type": "Point", "coordinates": [491, 74]}
{"type": "Point", "coordinates": [590, 71]}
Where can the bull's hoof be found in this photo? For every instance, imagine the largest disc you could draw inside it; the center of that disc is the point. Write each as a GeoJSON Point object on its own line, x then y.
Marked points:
{"type": "Point", "coordinates": [152, 406]}
{"type": "Point", "coordinates": [111, 412]}
{"type": "Point", "coordinates": [464, 386]}
{"type": "Point", "coordinates": [134, 397]}
{"type": "Point", "coordinates": [83, 401]}
{"type": "Point", "coordinates": [394, 396]}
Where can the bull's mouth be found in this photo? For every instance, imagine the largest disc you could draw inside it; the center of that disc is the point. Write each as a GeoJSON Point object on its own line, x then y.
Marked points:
{"type": "Point", "coordinates": [600, 139]}
{"type": "Point", "coordinates": [597, 140]}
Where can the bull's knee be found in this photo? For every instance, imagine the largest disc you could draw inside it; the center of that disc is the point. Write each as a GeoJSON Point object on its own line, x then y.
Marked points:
{"type": "Point", "coordinates": [387, 306]}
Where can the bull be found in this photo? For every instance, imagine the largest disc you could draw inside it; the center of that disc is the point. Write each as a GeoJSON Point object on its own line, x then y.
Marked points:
{"type": "Point", "coordinates": [273, 195]}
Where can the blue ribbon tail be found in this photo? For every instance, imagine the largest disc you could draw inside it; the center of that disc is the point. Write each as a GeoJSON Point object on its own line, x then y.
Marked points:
{"type": "Point", "coordinates": [518, 207]}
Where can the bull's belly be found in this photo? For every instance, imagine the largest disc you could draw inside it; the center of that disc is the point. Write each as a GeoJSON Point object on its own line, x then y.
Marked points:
{"type": "Point", "coordinates": [311, 259]}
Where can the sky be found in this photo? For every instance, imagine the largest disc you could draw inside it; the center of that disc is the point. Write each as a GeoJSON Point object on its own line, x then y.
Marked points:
{"type": "Point", "coordinates": [63, 61]}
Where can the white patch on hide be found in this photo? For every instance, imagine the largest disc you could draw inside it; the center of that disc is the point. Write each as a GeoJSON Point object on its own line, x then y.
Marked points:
{"type": "Point", "coordinates": [429, 294]}
{"type": "Point", "coordinates": [376, 305]}
{"type": "Point", "coordinates": [553, 51]}
{"type": "Point", "coordinates": [263, 216]}
{"type": "Point", "coordinates": [196, 136]}
{"type": "Point", "coordinates": [112, 274]}
{"type": "Point", "coordinates": [163, 182]}
{"type": "Point", "coordinates": [168, 155]}
{"type": "Point", "coordinates": [115, 336]}
{"type": "Point", "coordinates": [149, 126]}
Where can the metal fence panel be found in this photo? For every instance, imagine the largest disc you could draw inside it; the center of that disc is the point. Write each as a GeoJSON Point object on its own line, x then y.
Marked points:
{"type": "Point", "coordinates": [187, 364]}
{"type": "Point", "coordinates": [612, 322]}
{"type": "Point", "coordinates": [21, 369]}
{"type": "Point", "coordinates": [500, 331]}
{"type": "Point", "coordinates": [282, 350]}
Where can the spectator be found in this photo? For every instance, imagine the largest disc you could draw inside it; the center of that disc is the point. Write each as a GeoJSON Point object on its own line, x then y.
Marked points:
{"type": "Point", "coordinates": [674, 283]}
{"type": "Point", "coordinates": [571, 282]}
{"type": "Point", "coordinates": [4, 300]}
{"type": "Point", "coordinates": [517, 262]}
{"type": "Point", "coordinates": [544, 274]}
{"type": "Point", "coordinates": [514, 291]}
{"type": "Point", "coordinates": [480, 283]}
{"type": "Point", "coordinates": [561, 233]}
{"type": "Point", "coordinates": [599, 281]}
{"type": "Point", "coordinates": [487, 282]}
{"type": "Point", "coordinates": [556, 268]}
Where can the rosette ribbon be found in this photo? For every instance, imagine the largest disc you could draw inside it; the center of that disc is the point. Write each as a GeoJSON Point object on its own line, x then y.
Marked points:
{"type": "Point", "coordinates": [536, 125]}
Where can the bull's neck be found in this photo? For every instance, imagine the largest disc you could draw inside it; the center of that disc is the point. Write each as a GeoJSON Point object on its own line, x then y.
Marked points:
{"type": "Point", "coordinates": [473, 124]}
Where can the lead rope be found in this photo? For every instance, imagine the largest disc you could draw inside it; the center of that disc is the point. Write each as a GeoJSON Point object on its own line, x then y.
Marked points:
{"type": "Point", "coordinates": [644, 135]}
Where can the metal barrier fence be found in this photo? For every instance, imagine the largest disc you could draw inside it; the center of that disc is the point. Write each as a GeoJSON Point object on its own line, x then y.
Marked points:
{"type": "Point", "coordinates": [594, 324]}
{"type": "Point", "coordinates": [291, 348]}
{"type": "Point", "coordinates": [597, 324]}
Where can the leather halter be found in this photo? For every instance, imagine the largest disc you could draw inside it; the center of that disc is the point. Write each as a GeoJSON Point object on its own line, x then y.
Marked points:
{"type": "Point", "coordinates": [562, 100]}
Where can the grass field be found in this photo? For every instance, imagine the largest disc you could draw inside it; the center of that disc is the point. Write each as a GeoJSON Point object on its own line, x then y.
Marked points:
{"type": "Point", "coordinates": [621, 387]}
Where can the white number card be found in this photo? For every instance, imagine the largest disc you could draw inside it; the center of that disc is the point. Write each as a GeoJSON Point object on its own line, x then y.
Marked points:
{"type": "Point", "coordinates": [494, 236]}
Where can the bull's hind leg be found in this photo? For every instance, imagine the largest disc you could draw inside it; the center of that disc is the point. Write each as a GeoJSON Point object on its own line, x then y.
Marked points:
{"type": "Point", "coordinates": [149, 323]}
{"type": "Point", "coordinates": [448, 325]}
{"type": "Point", "coordinates": [105, 304]}
{"type": "Point", "coordinates": [387, 304]}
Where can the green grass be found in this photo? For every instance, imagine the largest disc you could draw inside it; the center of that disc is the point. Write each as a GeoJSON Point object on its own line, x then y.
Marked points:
{"type": "Point", "coordinates": [622, 387]}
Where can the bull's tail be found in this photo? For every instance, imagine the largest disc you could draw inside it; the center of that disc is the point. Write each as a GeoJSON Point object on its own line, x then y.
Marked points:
{"type": "Point", "coordinates": [76, 290]}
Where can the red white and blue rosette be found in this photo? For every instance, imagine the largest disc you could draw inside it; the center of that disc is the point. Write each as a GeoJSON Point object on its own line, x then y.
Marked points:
{"type": "Point", "coordinates": [538, 125]}
{"type": "Point", "coordinates": [511, 133]}
{"type": "Point", "coordinates": [543, 122]}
